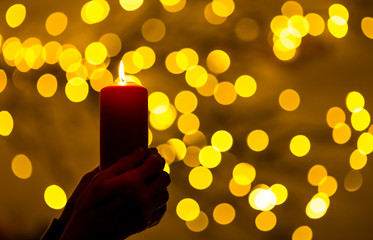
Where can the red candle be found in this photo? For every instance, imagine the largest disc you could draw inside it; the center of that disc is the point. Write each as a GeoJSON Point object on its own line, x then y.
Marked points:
{"type": "Point", "coordinates": [123, 120]}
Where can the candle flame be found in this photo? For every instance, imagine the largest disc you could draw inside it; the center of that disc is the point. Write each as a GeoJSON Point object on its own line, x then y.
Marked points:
{"type": "Point", "coordinates": [122, 76]}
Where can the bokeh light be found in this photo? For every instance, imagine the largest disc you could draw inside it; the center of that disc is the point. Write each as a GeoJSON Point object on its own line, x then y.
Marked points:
{"type": "Point", "coordinates": [222, 140]}
{"type": "Point", "coordinates": [300, 145]}
{"type": "Point", "coordinates": [188, 209]}
{"type": "Point", "coordinates": [289, 100]}
{"type": "Point", "coordinates": [302, 233]}
{"type": "Point", "coordinates": [200, 177]}
{"type": "Point", "coordinates": [353, 181]}
{"type": "Point", "coordinates": [316, 174]}
{"type": "Point", "coordinates": [199, 224]}
{"type": "Point", "coordinates": [245, 86]}
{"type": "Point", "coordinates": [6, 123]}
{"type": "Point", "coordinates": [225, 93]}
{"type": "Point", "coordinates": [55, 197]}
{"type": "Point", "coordinates": [224, 213]}
{"type": "Point", "coordinates": [56, 23]}
{"type": "Point", "coordinates": [238, 190]}
{"type": "Point", "coordinates": [186, 102]}
{"type": "Point", "coordinates": [257, 140]}
{"type": "Point", "coordinates": [244, 173]}
{"type": "Point", "coordinates": [266, 221]}
{"type": "Point", "coordinates": [15, 15]}
{"type": "Point", "coordinates": [153, 30]}
{"type": "Point", "coordinates": [21, 166]}
{"type": "Point", "coordinates": [209, 157]}
{"type": "Point", "coordinates": [47, 85]}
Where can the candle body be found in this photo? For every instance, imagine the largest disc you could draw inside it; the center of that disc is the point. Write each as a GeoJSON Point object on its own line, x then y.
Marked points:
{"type": "Point", "coordinates": [123, 122]}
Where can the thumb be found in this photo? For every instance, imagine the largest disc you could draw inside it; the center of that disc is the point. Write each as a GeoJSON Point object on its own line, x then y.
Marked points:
{"type": "Point", "coordinates": [128, 162]}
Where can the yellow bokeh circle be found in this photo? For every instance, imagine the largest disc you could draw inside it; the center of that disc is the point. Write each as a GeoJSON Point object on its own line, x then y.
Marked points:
{"type": "Point", "coordinates": [300, 145]}
{"type": "Point", "coordinates": [209, 157]}
{"type": "Point", "coordinates": [21, 166]}
{"type": "Point", "coordinates": [55, 197]}
{"type": "Point", "coordinates": [188, 209]}
{"type": "Point", "coordinates": [47, 85]}
{"type": "Point", "coordinates": [76, 89]}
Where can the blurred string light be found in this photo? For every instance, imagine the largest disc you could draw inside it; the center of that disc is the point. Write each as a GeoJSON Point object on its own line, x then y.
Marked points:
{"type": "Point", "coordinates": [199, 224]}
{"type": "Point", "coordinates": [266, 221]}
{"type": "Point", "coordinates": [56, 23]}
{"type": "Point", "coordinates": [224, 213]}
{"type": "Point", "coordinates": [15, 15]}
{"type": "Point", "coordinates": [21, 166]}
{"type": "Point", "coordinates": [302, 233]}
{"type": "Point", "coordinates": [337, 23]}
{"type": "Point", "coordinates": [55, 197]}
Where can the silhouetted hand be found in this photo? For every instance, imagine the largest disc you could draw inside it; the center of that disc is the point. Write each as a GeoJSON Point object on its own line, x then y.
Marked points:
{"type": "Point", "coordinates": [124, 199]}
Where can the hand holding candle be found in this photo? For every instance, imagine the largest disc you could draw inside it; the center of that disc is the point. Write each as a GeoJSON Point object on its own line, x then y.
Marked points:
{"type": "Point", "coordinates": [123, 120]}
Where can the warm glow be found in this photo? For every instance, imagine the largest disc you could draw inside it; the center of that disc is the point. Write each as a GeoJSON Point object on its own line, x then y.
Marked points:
{"type": "Point", "coordinates": [224, 213]}
{"type": "Point", "coordinates": [360, 119]}
{"type": "Point", "coordinates": [289, 100]}
{"type": "Point", "coordinates": [244, 173]}
{"type": "Point", "coordinates": [200, 177]}
{"type": "Point", "coordinates": [188, 123]}
{"type": "Point", "coordinates": [218, 61]}
{"type": "Point", "coordinates": [55, 197]}
{"type": "Point", "coordinates": [328, 185]}
{"type": "Point", "coordinates": [191, 158]}
{"type": "Point", "coordinates": [355, 101]}
{"type": "Point", "coordinates": [47, 85]}
{"type": "Point", "coordinates": [225, 93]}
{"type": "Point", "coordinates": [186, 101]}
{"type": "Point", "coordinates": [131, 5]}
{"type": "Point", "coordinates": [188, 209]}
{"type": "Point", "coordinates": [341, 133]}
{"type": "Point", "coordinates": [6, 123]}
{"type": "Point", "coordinates": [245, 86]}
{"type": "Point", "coordinates": [262, 199]}
{"type": "Point", "coordinates": [302, 233]}
{"type": "Point", "coordinates": [316, 174]}
{"type": "Point", "coordinates": [209, 157]}
{"type": "Point", "coordinates": [291, 8]}
{"type": "Point", "coordinates": [15, 15]}
{"type": "Point", "coordinates": [238, 190]}
{"type": "Point", "coordinates": [222, 140]}
{"type": "Point", "coordinates": [300, 145]}
{"type": "Point", "coordinates": [200, 223]}
{"type": "Point", "coordinates": [247, 29]}
{"type": "Point", "coordinates": [76, 89]}
{"type": "Point", "coordinates": [265, 221]}
{"type": "Point", "coordinates": [367, 27]}
{"type": "Point", "coordinates": [153, 30]}
{"type": "Point", "coordinates": [358, 159]}
{"type": "Point", "coordinates": [335, 116]}
{"type": "Point", "coordinates": [21, 166]}
{"type": "Point", "coordinates": [158, 102]}
{"type": "Point", "coordinates": [56, 23]}
{"type": "Point", "coordinates": [179, 148]}
{"type": "Point", "coordinates": [318, 206]}
{"type": "Point", "coordinates": [258, 140]}
{"type": "Point", "coordinates": [316, 24]}
{"type": "Point", "coordinates": [365, 143]}
{"type": "Point", "coordinates": [353, 181]}
{"type": "Point", "coordinates": [280, 192]}
{"type": "Point", "coordinates": [3, 80]}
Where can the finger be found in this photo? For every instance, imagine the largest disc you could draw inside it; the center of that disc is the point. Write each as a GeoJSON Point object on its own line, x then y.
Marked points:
{"type": "Point", "coordinates": [153, 150]}
{"type": "Point", "coordinates": [157, 216]}
{"type": "Point", "coordinates": [152, 166]}
{"type": "Point", "coordinates": [128, 162]}
{"type": "Point", "coordinates": [159, 183]}
{"type": "Point", "coordinates": [160, 200]}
